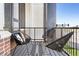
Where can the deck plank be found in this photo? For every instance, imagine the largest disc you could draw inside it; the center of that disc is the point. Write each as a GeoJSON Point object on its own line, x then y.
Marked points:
{"type": "Point", "coordinates": [26, 53]}
{"type": "Point", "coordinates": [29, 48]}
{"type": "Point", "coordinates": [44, 52]}
{"type": "Point", "coordinates": [52, 52]}
{"type": "Point", "coordinates": [56, 52]}
{"type": "Point", "coordinates": [64, 54]}
{"type": "Point", "coordinates": [16, 49]}
{"type": "Point", "coordinates": [32, 53]}
{"type": "Point", "coordinates": [18, 52]}
{"type": "Point", "coordinates": [36, 49]}
{"type": "Point", "coordinates": [40, 49]}
{"type": "Point", "coordinates": [59, 53]}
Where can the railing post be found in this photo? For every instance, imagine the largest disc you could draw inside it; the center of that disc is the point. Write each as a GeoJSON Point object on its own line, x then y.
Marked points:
{"type": "Point", "coordinates": [76, 41]}
{"type": "Point", "coordinates": [34, 34]}
{"type": "Point", "coordinates": [68, 41]}
{"type": "Point", "coordinates": [45, 33]}
{"type": "Point", "coordinates": [61, 31]}
{"type": "Point", "coordinates": [73, 42]}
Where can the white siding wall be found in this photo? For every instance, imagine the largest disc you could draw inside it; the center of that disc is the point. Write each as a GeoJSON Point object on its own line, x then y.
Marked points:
{"type": "Point", "coordinates": [16, 10]}
{"type": "Point", "coordinates": [28, 18]}
{"type": "Point", "coordinates": [34, 18]}
{"type": "Point", "coordinates": [1, 16]}
{"type": "Point", "coordinates": [15, 16]}
{"type": "Point", "coordinates": [34, 15]}
{"type": "Point", "coordinates": [37, 14]}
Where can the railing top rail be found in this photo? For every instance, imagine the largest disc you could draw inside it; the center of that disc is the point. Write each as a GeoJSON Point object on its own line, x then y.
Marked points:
{"type": "Point", "coordinates": [34, 27]}
{"type": "Point", "coordinates": [66, 27]}
{"type": "Point", "coordinates": [46, 27]}
{"type": "Point", "coordinates": [52, 27]}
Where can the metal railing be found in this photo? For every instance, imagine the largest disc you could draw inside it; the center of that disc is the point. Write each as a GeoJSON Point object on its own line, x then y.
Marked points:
{"type": "Point", "coordinates": [72, 46]}
{"type": "Point", "coordinates": [35, 33]}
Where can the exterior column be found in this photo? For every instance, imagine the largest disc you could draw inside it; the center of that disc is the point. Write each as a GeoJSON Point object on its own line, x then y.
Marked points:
{"type": "Point", "coordinates": [1, 16]}
{"type": "Point", "coordinates": [15, 17]}
{"type": "Point", "coordinates": [51, 21]}
{"type": "Point", "coordinates": [22, 14]}
{"type": "Point", "coordinates": [8, 16]}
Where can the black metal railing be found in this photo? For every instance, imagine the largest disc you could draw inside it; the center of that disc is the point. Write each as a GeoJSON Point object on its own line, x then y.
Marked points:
{"type": "Point", "coordinates": [35, 33]}
{"type": "Point", "coordinates": [72, 47]}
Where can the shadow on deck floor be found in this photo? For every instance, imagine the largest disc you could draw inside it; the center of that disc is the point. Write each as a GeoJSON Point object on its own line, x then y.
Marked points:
{"type": "Point", "coordinates": [36, 49]}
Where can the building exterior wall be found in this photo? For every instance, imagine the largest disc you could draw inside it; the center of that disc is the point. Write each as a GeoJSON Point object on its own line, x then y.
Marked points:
{"type": "Point", "coordinates": [5, 26]}
{"type": "Point", "coordinates": [34, 18]}
{"type": "Point", "coordinates": [8, 16]}
{"type": "Point", "coordinates": [28, 20]}
{"type": "Point", "coordinates": [22, 14]}
{"type": "Point", "coordinates": [11, 16]}
{"type": "Point", "coordinates": [34, 15]}
{"type": "Point", "coordinates": [5, 45]}
{"type": "Point", "coordinates": [37, 14]}
{"type": "Point", "coordinates": [40, 15]}
{"type": "Point", "coordinates": [1, 16]}
{"type": "Point", "coordinates": [15, 17]}
{"type": "Point", "coordinates": [26, 15]}
{"type": "Point", "coordinates": [15, 11]}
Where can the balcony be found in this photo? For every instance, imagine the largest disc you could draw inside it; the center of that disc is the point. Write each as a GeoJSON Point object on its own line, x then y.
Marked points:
{"type": "Point", "coordinates": [37, 46]}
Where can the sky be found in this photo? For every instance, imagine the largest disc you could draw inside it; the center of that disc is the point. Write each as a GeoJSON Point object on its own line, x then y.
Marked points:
{"type": "Point", "coordinates": [67, 13]}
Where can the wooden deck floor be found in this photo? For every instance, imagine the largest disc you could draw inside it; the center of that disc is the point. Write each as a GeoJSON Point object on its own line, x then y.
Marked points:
{"type": "Point", "coordinates": [36, 49]}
